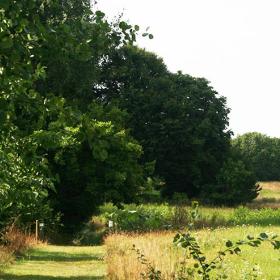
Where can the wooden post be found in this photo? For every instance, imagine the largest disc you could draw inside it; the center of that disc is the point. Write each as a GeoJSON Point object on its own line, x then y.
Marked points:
{"type": "Point", "coordinates": [37, 230]}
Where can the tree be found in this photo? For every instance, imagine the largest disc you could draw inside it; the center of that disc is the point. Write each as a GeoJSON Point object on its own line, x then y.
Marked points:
{"type": "Point", "coordinates": [235, 184]}
{"type": "Point", "coordinates": [180, 121]}
{"type": "Point", "coordinates": [261, 152]}
{"type": "Point", "coordinates": [24, 186]}
{"type": "Point", "coordinates": [50, 54]}
{"type": "Point", "coordinates": [94, 161]}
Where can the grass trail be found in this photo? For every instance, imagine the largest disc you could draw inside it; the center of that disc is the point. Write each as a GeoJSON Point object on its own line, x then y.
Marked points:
{"type": "Point", "coordinates": [60, 263]}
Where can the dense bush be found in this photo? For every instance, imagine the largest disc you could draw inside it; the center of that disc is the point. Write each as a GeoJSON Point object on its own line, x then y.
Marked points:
{"type": "Point", "coordinates": [235, 184]}
{"type": "Point", "coordinates": [24, 186]}
{"type": "Point", "coordinates": [140, 219]}
{"type": "Point", "coordinates": [153, 217]}
{"type": "Point", "coordinates": [13, 243]}
{"type": "Point", "coordinates": [180, 121]}
{"type": "Point", "coordinates": [261, 152]}
{"type": "Point", "coordinates": [164, 216]}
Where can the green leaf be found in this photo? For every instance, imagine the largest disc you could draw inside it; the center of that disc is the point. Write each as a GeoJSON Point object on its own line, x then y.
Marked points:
{"type": "Point", "coordinates": [202, 259]}
{"type": "Point", "coordinates": [6, 43]}
{"type": "Point", "coordinates": [99, 14]}
{"type": "Point", "coordinates": [237, 250]}
{"type": "Point", "coordinates": [151, 36]}
{"type": "Point", "coordinates": [4, 4]}
{"type": "Point", "coordinates": [229, 243]}
{"type": "Point", "coordinates": [263, 235]}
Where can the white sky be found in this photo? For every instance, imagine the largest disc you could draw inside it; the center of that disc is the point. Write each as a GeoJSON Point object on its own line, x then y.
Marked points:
{"type": "Point", "coordinates": [235, 44]}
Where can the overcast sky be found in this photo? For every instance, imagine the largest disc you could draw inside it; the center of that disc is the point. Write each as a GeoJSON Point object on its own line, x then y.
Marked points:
{"type": "Point", "coordinates": [235, 44]}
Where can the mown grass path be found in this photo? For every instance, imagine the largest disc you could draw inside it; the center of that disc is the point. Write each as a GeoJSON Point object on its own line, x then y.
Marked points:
{"type": "Point", "coordinates": [59, 262]}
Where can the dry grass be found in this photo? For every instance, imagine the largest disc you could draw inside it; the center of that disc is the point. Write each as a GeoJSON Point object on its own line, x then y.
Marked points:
{"type": "Point", "coordinates": [269, 196]}
{"type": "Point", "coordinates": [6, 257]}
{"type": "Point", "coordinates": [16, 241]}
{"type": "Point", "coordinates": [273, 186]}
{"type": "Point", "coordinates": [158, 249]}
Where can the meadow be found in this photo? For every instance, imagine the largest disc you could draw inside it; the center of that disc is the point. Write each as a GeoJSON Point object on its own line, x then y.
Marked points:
{"type": "Point", "coordinates": [141, 244]}
{"type": "Point", "coordinates": [158, 249]}
{"type": "Point", "coordinates": [212, 228]}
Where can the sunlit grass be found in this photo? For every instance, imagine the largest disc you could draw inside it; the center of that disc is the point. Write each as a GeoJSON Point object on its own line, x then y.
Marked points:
{"type": "Point", "coordinates": [158, 249]}
{"type": "Point", "coordinates": [229, 223]}
{"type": "Point", "coordinates": [59, 262]}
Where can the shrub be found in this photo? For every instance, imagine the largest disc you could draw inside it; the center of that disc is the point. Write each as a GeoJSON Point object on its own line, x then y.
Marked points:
{"type": "Point", "coordinates": [265, 216]}
{"type": "Point", "coordinates": [235, 185]}
{"type": "Point", "coordinates": [180, 199]}
{"type": "Point", "coordinates": [151, 217]}
{"type": "Point", "coordinates": [16, 241]}
{"type": "Point", "coordinates": [140, 219]}
{"type": "Point", "coordinates": [93, 232]}
{"type": "Point", "coordinates": [13, 242]}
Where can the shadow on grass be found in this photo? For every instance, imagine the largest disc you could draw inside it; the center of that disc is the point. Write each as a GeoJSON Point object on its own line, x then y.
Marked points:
{"type": "Point", "coordinates": [61, 257]}
{"type": "Point", "coordinates": [45, 258]}
{"type": "Point", "coordinates": [39, 277]}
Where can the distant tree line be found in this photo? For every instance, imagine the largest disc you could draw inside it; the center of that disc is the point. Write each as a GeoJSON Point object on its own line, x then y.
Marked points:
{"type": "Point", "coordinates": [87, 117]}
{"type": "Point", "coordinates": [261, 153]}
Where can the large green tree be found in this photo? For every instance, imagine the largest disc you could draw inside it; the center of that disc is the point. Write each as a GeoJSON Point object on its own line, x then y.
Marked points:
{"type": "Point", "coordinates": [180, 121]}
{"type": "Point", "coordinates": [51, 53]}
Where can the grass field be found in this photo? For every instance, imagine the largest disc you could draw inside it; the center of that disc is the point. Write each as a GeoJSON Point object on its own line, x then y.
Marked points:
{"type": "Point", "coordinates": [214, 227]}
{"type": "Point", "coordinates": [228, 224]}
{"type": "Point", "coordinates": [269, 195]}
{"type": "Point", "coordinates": [59, 262]}
{"type": "Point", "coordinates": [164, 256]}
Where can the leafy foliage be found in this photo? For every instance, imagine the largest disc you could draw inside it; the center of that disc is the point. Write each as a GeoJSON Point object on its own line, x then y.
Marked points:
{"type": "Point", "coordinates": [50, 55]}
{"type": "Point", "coordinates": [23, 185]}
{"type": "Point", "coordinates": [236, 184]}
{"type": "Point", "coordinates": [180, 121]}
{"type": "Point", "coordinates": [101, 165]}
{"type": "Point", "coordinates": [261, 152]}
{"type": "Point", "coordinates": [75, 94]}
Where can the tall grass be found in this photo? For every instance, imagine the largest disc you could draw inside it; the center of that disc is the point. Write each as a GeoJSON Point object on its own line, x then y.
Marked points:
{"type": "Point", "coordinates": [158, 249]}
{"type": "Point", "coordinates": [6, 257]}
{"type": "Point", "coordinates": [122, 261]}
{"type": "Point", "coordinates": [14, 242]}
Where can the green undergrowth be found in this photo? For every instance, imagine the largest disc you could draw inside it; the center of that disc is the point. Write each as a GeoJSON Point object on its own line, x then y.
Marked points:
{"type": "Point", "coordinates": [164, 216]}
{"type": "Point", "coordinates": [157, 217]}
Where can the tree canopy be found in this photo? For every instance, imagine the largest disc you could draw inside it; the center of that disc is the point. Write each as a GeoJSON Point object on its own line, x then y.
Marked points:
{"type": "Point", "coordinates": [180, 121]}
{"type": "Point", "coordinates": [51, 53]}
{"type": "Point", "coordinates": [85, 116]}
{"type": "Point", "coordinates": [261, 152]}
